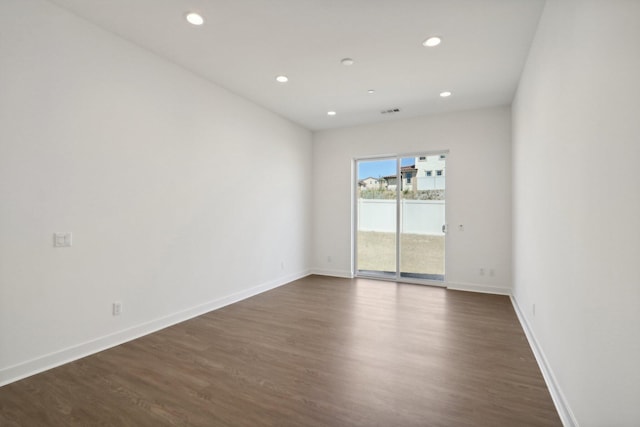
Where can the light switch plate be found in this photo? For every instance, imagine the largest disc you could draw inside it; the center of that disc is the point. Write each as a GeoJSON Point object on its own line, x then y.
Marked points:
{"type": "Point", "coordinates": [63, 239]}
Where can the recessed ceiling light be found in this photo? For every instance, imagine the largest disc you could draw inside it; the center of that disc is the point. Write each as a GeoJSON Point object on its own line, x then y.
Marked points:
{"type": "Point", "coordinates": [331, 113]}
{"type": "Point", "coordinates": [371, 91]}
{"type": "Point", "coordinates": [432, 41]}
{"type": "Point", "coordinates": [445, 94]}
{"type": "Point", "coordinates": [282, 79]}
{"type": "Point", "coordinates": [347, 61]}
{"type": "Point", "coordinates": [194, 18]}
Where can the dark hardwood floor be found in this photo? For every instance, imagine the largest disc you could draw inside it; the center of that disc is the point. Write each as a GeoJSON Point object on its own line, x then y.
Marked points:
{"type": "Point", "coordinates": [317, 352]}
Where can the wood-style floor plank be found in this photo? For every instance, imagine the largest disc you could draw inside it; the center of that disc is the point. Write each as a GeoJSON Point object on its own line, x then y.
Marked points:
{"type": "Point", "coordinates": [317, 352]}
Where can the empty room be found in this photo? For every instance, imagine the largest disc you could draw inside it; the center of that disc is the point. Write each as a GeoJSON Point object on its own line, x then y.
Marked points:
{"type": "Point", "coordinates": [320, 213]}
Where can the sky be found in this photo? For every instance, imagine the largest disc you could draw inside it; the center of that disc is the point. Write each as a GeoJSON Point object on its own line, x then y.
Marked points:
{"type": "Point", "coordinates": [378, 168]}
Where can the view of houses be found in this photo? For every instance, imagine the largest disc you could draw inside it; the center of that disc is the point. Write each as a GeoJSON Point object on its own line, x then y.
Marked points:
{"type": "Point", "coordinates": [426, 174]}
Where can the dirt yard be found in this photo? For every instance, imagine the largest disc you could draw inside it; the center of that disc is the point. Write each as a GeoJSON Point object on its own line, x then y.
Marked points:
{"type": "Point", "coordinates": [420, 253]}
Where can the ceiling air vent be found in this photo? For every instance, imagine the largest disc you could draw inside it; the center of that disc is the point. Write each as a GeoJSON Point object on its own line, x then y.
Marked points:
{"type": "Point", "coordinates": [390, 111]}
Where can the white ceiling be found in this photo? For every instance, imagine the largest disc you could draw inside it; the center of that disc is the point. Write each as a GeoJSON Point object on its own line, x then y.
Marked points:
{"type": "Point", "coordinates": [245, 44]}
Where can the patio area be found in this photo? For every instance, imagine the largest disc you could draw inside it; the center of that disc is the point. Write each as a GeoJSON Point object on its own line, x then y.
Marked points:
{"type": "Point", "coordinates": [421, 254]}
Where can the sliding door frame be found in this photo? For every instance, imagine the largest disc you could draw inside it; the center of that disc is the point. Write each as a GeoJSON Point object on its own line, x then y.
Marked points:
{"type": "Point", "coordinates": [355, 226]}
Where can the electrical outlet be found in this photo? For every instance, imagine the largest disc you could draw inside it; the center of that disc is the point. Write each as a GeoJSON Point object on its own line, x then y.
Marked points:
{"type": "Point", "coordinates": [328, 258]}
{"type": "Point", "coordinates": [117, 308]}
{"type": "Point", "coordinates": [492, 272]}
{"type": "Point", "coordinates": [533, 309]}
{"type": "Point", "coordinates": [63, 239]}
{"type": "Point", "coordinates": [481, 271]}
{"type": "Point", "coordinates": [282, 265]}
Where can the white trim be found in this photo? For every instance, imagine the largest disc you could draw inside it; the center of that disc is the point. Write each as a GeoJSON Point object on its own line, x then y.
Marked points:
{"type": "Point", "coordinates": [39, 364]}
{"type": "Point", "coordinates": [469, 287]}
{"type": "Point", "coordinates": [560, 401]}
{"type": "Point", "coordinates": [354, 216]}
{"type": "Point", "coordinates": [333, 273]}
{"type": "Point", "coordinates": [476, 287]}
{"type": "Point", "coordinates": [399, 222]}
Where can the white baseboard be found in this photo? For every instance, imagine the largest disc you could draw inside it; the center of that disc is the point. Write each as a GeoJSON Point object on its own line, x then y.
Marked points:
{"type": "Point", "coordinates": [564, 411]}
{"type": "Point", "coordinates": [333, 273]}
{"type": "Point", "coordinates": [470, 287]}
{"type": "Point", "coordinates": [40, 364]}
{"type": "Point", "coordinates": [476, 287]}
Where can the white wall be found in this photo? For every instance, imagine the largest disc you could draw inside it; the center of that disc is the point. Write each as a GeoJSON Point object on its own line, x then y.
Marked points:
{"type": "Point", "coordinates": [575, 257]}
{"type": "Point", "coordinates": [135, 156]}
{"type": "Point", "coordinates": [478, 189]}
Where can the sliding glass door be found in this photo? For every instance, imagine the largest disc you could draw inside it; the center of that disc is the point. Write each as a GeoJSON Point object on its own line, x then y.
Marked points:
{"type": "Point", "coordinates": [376, 235]}
{"type": "Point", "coordinates": [422, 221]}
{"type": "Point", "coordinates": [400, 217]}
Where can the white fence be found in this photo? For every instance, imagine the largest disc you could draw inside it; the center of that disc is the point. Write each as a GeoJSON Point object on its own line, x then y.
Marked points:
{"type": "Point", "coordinates": [418, 216]}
